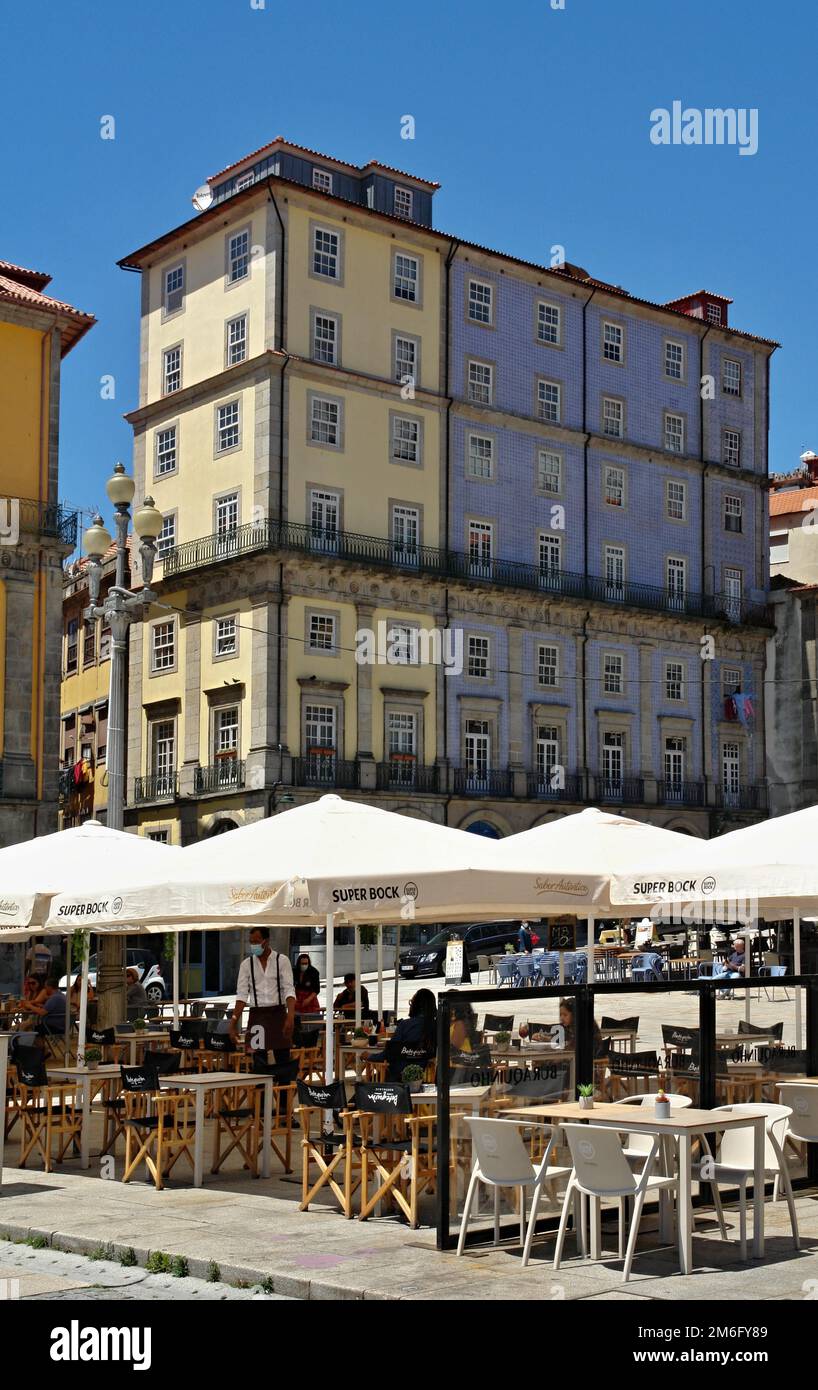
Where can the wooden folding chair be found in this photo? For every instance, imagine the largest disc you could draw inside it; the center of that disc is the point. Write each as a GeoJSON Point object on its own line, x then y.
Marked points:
{"type": "Point", "coordinates": [162, 1125]}
{"type": "Point", "coordinates": [402, 1153]}
{"type": "Point", "coordinates": [337, 1154]}
{"type": "Point", "coordinates": [285, 1076]}
{"type": "Point", "coordinates": [237, 1113]}
{"type": "Point", "coordinates": [47, 1111]}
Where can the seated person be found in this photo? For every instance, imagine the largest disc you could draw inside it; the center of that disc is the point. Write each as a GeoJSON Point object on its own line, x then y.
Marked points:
{"type": "Point", "coordinates": [414, 1040]}
{"type": "Point", "coordinates": [52, 1008]}
{"type": "Point", "coordinates": [75, 992]}
{"type": "Point", "coordinates": [31, 988]}
{"type": "Point", "coordinates": [307, 985]}
{"type": "Point", "coordinates": [735, 963]}
{"type": "Point", "coordinates": [137, 999]}
{"type": "Point", "coordinates": [345, 1001]}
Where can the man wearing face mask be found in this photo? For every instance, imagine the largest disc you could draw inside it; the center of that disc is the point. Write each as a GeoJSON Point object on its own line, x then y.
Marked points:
{"type": "Point", "coordinates": [266, 983]}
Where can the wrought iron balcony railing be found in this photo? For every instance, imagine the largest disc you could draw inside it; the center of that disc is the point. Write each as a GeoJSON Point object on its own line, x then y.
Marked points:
{"type": "Point", "coordinates": [468, 782]}
{"type": "Point", "coordinates": [619, 789]}
{"type": "Point", "coordinates": [752, 797]}
{"type": "Point", "coordinates": [325, 770]}
{"type": "Point", "coordinates": [406, 774]}
{"type": "Point", "coordinates": [25, 516]}
{"type": "Point", "coordinates": [159, 786]}
{"type": "Point", "coordinates": [556, 787]}
{"type": "Point", "coordinates": [673, 793]}
{"type": "Point", "coordinates": [451, 564]}
{"type": "Point", "coordinates": [223, 776]}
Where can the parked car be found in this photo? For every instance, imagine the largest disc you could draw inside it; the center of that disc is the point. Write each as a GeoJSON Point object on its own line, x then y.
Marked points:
{"type": "Point", "coordinates": [481, 939]}
{"type": "Point", "coordinates": [144, 962]}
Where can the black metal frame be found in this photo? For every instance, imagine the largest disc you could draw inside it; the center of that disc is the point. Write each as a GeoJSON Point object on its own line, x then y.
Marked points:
{"type": "Point", "coordinates": [585, 997]}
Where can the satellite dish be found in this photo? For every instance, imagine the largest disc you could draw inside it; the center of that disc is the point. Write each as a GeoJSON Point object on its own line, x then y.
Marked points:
{"type": "Point", "coordinates": [203, 197]}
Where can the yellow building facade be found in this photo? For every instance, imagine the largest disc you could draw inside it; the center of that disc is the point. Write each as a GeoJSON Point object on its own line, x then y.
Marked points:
{"type": "Point", "coordinates": [36, 534]}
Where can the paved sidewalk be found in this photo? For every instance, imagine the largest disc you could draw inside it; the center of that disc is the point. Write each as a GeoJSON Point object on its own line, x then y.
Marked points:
{"type": "Point", "coordinates": [50, 1275]}
{"type": "Point", "coordinates": [254, 1234]}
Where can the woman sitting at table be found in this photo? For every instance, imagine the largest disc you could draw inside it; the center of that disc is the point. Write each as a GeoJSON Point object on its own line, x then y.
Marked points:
{"type": "Point", "coordinates": [75, 992]}
{"type": "Point", "coordinates": [31, 988]}
{"type": "Point", "coordinates": [414, 1039]}
{"type": "Point", "coordinates": [568, 1025]}
{"type": "Point", "coordinates": [307, 984]}
{"type": "Point", "coordinates": [463, 1032]}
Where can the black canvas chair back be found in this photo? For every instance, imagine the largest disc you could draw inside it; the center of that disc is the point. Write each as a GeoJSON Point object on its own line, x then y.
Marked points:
{"type": "Point", "coordinates": [30, 1066]}
{"type": "Point", "coordinates": [543, 1082]}
{"type": "Point", "coordinates": [197, 1009]}
{"type": "Point", "coordinates": [186, 1037]}
{"type": "Point", "coordinates": [793, 1063]}
{"type": "Point", "coordinates": [213, 1011]}
{"type": "Point", "coordinates": [625, 1063]}
{"type": "Point", "coordinates": [101, 1037]}
{"type": "Point", "coordinates": [631, 1023]}
{"type": "Point", "coordinates": [219, 1042]}
{"type": "Point", "coordinates": [124, 1028]}
{"type": "Point", "coordinates": [166, 1063]}
{"type": "Point", "coordinates": [775, 1030]}
{"type": "Point", "coordinates": [407, 1055]}
{"type": "Point", "coordinates": [19, 1040]}
{"type": "Point", "coordinates": [498, 1023]}
{"type": "Point", "coordinates": [680, 1039]}
{"type": "Point", "coordinates": [383, 1098]}
{"type": "Point", "coordinates": [283, 1073]}
{"type": "Point", "coordinates": [333, 1096]}
{"type": "Point", "coordinates": [145, 1078]}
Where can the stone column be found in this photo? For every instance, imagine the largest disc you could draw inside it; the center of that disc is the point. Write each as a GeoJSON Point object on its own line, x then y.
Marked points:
{"type": "Point", "coordinates": [266, 735]}
{"type": "Point", "coordinates": [647, 715]}
{"type": "Point", "coordinates": [191, 709]}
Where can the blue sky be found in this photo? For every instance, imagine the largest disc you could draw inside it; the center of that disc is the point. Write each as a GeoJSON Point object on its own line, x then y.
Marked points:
{"type": "Point", "coordinates": [535, 121]}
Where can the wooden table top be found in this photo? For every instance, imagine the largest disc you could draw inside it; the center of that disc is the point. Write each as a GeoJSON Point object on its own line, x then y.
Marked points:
{"type": "Point", "coordinates": [206, 1079]}
{"type": "Point", "coordinates": [105, 1069]}
{"type": "Point", "coordinates": [634, 1117]}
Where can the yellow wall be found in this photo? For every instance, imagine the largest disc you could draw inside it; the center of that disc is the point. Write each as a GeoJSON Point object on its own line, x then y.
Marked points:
{"type": "Point", "coordinates": [21, 442]}
{"type": "Point", "coordinates": [88, 685]}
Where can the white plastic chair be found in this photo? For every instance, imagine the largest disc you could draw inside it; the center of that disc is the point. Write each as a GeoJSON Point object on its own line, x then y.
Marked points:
{"type": "Point", "coordinates": [501, 1159]}
{"type": "Point", "coordinates": [602, 1172]}
{"type": "Point", "coordinates": [638, 1145]}
{"type": "Point", "coordinates": [802, 1125]}
{"type": "Point", "coordinates": [735, 1164]}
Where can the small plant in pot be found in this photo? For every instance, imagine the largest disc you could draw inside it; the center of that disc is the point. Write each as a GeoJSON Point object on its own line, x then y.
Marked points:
{"type": "Point", "coordinates": [509, 949]}
{"type": "Point", "coordinates": [140, 1024]}
{"type": "Point", "coordinates": [502, 1039]}
{"type": "Point", "coordinates": [586, 1097]}
{"type": "Point", "coordinates": [360, 1037]}
{"type": "Point", "coordinates": [661, 1106]}
{"type": "Point", "coordinates": [93, 1057]}
{"type": "Point", "coordinates": [412, 1076]}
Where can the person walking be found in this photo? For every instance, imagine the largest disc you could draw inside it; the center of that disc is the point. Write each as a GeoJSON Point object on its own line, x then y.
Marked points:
{"type": "Point", "coordinates": [265, 982]}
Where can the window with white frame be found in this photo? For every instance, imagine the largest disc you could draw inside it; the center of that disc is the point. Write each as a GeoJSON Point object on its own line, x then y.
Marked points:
{"type": "Point", "coordinates": [238, 256]}
{"type": "Point", "coordinates": [549, 322]}
{"type": "Point", "coordinates": [159, 837]}
{"type": "Point", "coordinates": [676, 579]}
{"type": "Point", "coordinates": [480, 382]}
{"type": "Point", "coordinates": [477, 658]}
{"type": "Point", "coordinates": [481, 543]}
{"type": "Point", "coordinates": [714, 313]}
{"type": "Point", "coordinates": [674, 433]}
{"type": "Point", "coordinates": [733, 513]}
{"type": "Point", "coordinates": [406, 277]}
{"type": "Point", "coordinates": [322, 180]}
{"type": "Point", "coordinates": [226, 734]}
{"type": "Point", "coordinates": [166, 451]}
{"type": "Point", "coordinates": [171, 370]}
{"type": "Point", "coordinates": [674, 762]}
{"type": "Point", "coordinates": [236, 340]}
{"type": "Point", "coordinates": [731, 773]}
{"type": "Point", "coordinates": [549, 401]}
{"type": "Point", "coordinates": [245, 181]}
{"type": "Point", "coordinates": [228, 435]}
{"type": "Point", "coordinates": [481, 301]}
{"type": "Point", "coordinates": [613, 342]}
{"type": "Point", "coordinates": [72, 644]}
{"type": "Point", "coordinates": [226, 635]}
{"type": "Point", "coordinates": [731, 680]}
{"type": "Point", "coordinates": [227, 513]}
{"type": "Point", "coordinates": [731, 448]}
{"type": "Point", "coordinates": [405, 439]}
{"type": "Point", "coordinates": [674, 680]}
{"type": "Point", "coordinates": [613, 761]}
{"type": "Point", "coordinates": [402, 639]}
{"type": "Point", "coordinates": [477, 750]}
{"type": "Point", "coordinates": [325, 421]}
{"type": "Point", "coordinates": [163, 646]}
{"type": "Point", "coordinates": [325, 253]}
{"type": "Point", "coordinates": [613, 673]}
{"type": "Point", "coordinates": [403, 202]}
{"type": "Point", "coordinates": [549, 470]}
{"type": "Point", "coordinates": [325, 513]}
{"type": "Point", "coordinates": [547, 752]}
{"type": "Point", "coordinates": [614, 486]}
{"type": "Point", "coordinates": [174, 288]}
{"type": "Point", "coordinates": [613, 414]}
{"type": "Point", "coordinates": [676, 496]}
{"type": "Point", "coordinates": [480, 458]}
{"type": "Point", "coordinates": [163, 752]}
{"type": "Point", "coordinates": [674, 360]}
{"type": "Point", "coordinates": [321, 632]}
{"type": "Point", "coordinates": [733, 589]}
{"type": "Point", "coordinates": [405, 532]}
{"type": "Point", "coordinates": [166, 539]}
{"type": "Point", "coordinates": [548, 664]}
{"type": "Point", "coordinates": [320, 731]}
{"type": "Point", "coordinates": [614, 563]}
{"type": "Point", "coordinates": [406, 357]}
{"type": "Point", "coordinates": [401, 734]}
{"type": "Point", "coordinates": [325, 338]}
{"type": "Point", "coordinates": [730, 376]}
{"type": "Point", "coordinates": [549, 554]}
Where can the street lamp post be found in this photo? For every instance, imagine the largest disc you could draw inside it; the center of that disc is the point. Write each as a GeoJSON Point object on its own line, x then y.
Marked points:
{"type": "Point", "coordinates": [119, 609]}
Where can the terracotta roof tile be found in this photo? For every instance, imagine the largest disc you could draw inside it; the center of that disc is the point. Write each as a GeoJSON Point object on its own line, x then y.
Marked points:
{"type": "Point", "coordinates": [797, 499]}
{"type": "Point", "coordinates": [36, 279]}
{"type": "Point", "coordinates": [73, 322]}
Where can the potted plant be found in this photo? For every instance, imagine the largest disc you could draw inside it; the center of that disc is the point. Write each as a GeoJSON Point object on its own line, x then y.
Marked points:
{"type": "Point", "coordinates": [509, 949]}
{"type": "Point", "coordinates": [140, 1024]}
{"type": "Point", "coordinates": [360, 1037]}
{"type": "Point", "coordinates": [412, 1076]}
{"type": "Point", "coordinates": [586, 1096]}
{"type": "Point", "coordinates": [661, 1106]}
{"type": "Point", "coordinates": [502, 1039]}
{"type": "Point", "coordinates": [93, 1057]}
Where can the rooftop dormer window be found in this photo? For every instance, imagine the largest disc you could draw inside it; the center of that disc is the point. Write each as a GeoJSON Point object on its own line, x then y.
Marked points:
{"type": "Point", "coordinates": [714, 313]}
{"type": "Point", "coordinates": [245, 180]}
{"type": "Point", "coordinates": [403, 202]}
{"type": "Point", "coordinates": [322, 180]}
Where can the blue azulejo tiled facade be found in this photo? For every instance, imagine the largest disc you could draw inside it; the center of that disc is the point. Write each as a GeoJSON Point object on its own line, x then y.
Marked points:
{"type": "Point", "coordinates": [610, 457]}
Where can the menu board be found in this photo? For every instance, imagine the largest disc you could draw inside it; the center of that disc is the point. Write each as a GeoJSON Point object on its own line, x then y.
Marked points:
{"type": "Point", "coordinates": [562, 934]}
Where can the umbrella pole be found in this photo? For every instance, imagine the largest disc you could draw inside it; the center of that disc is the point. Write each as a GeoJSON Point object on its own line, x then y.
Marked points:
{"type": "Point", "coordinates": [357, 931]}
{"type": "Point", "coordinates": [590, 949]}
{"type": "Point", "coordinates": [68, 1001]}
{"type": "Point", "coordinates": [748, 969]}
{"type": "Point", "coordinates": [380, 971]}
{"type": "Point", "coordinates": [397, 967]}
{"type": "Point", "coordinates": [176, 983]}
{"type": "Point", "coordinates": [329, 1014]}
{"type": "Point", "coordinates": [796, 946]}
{"type": "Point", "coordinates": [83, 1005]}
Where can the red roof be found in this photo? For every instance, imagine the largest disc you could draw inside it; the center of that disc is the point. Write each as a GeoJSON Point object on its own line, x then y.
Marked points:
{"type": "Point", "coordinates": [24, 287]}
{"type": "Point", "coordinates": [290, 145]}
{"type": "Point", "coordinates": [796, 499]}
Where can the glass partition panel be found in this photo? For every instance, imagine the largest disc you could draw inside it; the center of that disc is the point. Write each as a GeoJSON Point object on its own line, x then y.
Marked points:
{"type": "Point", "coordinates": [644, 1038]}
